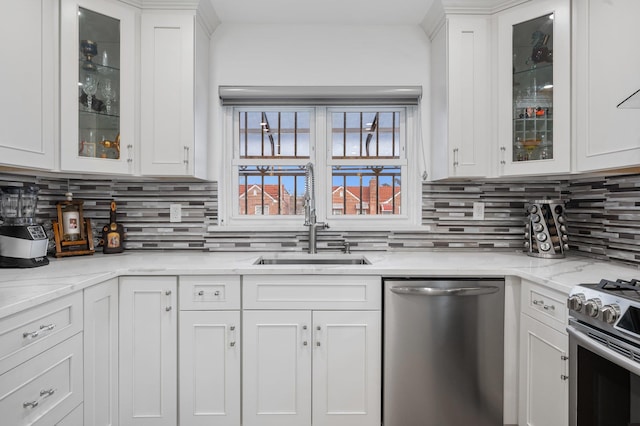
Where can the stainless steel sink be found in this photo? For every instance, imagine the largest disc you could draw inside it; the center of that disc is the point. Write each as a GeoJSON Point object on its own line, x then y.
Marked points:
{"type": "Point", "coordinates": [315, 259]}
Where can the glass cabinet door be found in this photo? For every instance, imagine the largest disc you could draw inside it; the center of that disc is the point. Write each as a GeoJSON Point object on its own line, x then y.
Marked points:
{"type": "Point", "coordinates": [534, 97]}
{"type": "Point", "coordinates": [533, 89]}
{"type": "Point", "coordinates": [97, 80]}
{"type": "Point", "coordinates": [98, 85]}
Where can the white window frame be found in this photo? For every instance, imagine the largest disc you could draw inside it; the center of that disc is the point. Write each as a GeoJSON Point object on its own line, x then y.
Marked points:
{"type": "Point", "coordinates": [320, 152]}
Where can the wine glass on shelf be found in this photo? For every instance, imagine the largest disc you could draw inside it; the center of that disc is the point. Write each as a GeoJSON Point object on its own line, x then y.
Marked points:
{"type": "Point", "coordinates": [109, 93]}
{"type": "Point", "coordinates": [90, 87]}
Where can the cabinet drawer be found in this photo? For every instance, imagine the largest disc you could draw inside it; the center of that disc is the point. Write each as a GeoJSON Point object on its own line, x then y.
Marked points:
{"type": "Point", "coordinates": [209, 292]}
{"type": "Point", "coordinates": [544, 304]}
{"type": "Point", "coordinates": [44, 389]}
{"type": "Point", "coordinates": [311, 292]}
{"type": "Point", "coordinates": [27, 333]}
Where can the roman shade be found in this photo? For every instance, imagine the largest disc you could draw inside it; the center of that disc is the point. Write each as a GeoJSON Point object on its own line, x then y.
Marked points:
{"type": "Point", "coordinates": [319, 95]}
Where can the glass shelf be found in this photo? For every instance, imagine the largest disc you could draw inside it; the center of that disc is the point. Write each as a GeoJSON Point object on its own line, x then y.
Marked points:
{"type": "Point", "coordinates": [98, 85]}
{"type": "Point", "coordinates": [533, 89]}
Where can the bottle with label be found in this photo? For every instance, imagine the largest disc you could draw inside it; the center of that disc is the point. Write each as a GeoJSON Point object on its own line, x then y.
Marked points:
{"type": "Point", "coordinates": [71, 226]}
{"type": "Point", "coordinates": [113, 234]}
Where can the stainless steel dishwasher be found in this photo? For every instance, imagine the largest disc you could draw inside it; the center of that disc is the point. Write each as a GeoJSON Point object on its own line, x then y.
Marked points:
{"type": "Point", "coordinates": [443, 352]}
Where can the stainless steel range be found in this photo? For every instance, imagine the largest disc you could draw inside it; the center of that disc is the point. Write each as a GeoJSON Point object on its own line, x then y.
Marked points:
{"type": "Point", "coordinates": [604, 354]}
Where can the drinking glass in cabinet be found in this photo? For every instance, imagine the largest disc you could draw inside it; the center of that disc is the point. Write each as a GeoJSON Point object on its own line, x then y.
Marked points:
{"type": "Point", "coordinates": [99, 84]}
{"type": "Point", "coordinates": [533, 89]}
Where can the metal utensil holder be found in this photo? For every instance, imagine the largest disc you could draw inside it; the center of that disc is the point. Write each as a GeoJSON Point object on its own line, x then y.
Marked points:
{"type": "Point", "coordinates": [545, 230]}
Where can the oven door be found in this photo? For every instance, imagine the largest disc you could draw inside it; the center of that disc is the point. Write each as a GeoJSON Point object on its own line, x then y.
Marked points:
{"type": "Point", "coordinates": [604, 384]}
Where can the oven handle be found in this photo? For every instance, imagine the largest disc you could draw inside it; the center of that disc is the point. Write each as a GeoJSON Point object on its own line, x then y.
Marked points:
{"type": "Point", "coordinates": [606, 353]}
{"type": "Point", "coordinates": [437, 291]}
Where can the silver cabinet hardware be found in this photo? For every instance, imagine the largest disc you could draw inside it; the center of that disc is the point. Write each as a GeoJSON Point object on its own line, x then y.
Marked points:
{"type": "Point", "coordinates": [549, 307]}
{"type": "Point", "coordinates": [502, 152]}
{"type": "Point", "coordinates": [564, 357]}
{"type": "Point", "coordinates": [232, 336]}
{"type": "Point", "coordinates": [455, 157]}
{"type": "Point", "coordinates": [317, 343]}
{"type": "Point", "coordinates": [168, 292]}
{"type": "Point", "coordinates": [34, 334]}
{"type": "Point", "coordinates": [30, 404]}
{"type": "Point", "coordinates": [186, 155]}
{"type": "Point", "coordinates": [201, 293]}
{"type": "Point", "coordinates": [30, 334]}
{"type": "Point", "coordinates": [563, 377]}
{"type": "Point", "coordinates": [538, 302]}
{"type": "Point", "coordinates": [168, 308]}
{"type": "Point", "coordinates": [47, 392]}
{"type": "Point", "coordinates": [216, 293]}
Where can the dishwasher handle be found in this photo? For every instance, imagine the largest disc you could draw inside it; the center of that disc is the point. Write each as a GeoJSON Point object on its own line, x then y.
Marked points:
{"type": "Point", "coordinates": [437, 291]}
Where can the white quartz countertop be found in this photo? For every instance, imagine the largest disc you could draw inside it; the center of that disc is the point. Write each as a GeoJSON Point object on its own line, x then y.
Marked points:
{"type": "Point", "coordinates": [23, 288]}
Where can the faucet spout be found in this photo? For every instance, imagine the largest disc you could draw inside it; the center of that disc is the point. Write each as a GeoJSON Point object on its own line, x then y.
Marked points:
{"type": "Point", "coordinates": [310, 219]}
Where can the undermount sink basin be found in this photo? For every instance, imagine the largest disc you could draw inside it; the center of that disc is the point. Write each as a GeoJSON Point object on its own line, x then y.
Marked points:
{"type": "Point", "coordinates": [312, 259]}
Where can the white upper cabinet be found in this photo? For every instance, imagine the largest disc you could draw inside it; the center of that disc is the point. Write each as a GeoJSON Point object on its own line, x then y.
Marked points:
{"type": "Point", "coordinates": [533, 88]}
{"type": "Point", "coordinates": [97, 86]}
{"type": "Point", "coordinates": [606, 72]}
{"type": "Point", "coordinates": [174, 85]}
{"type": "Point", "coordinates": [28, 83]}
{"type": "Point", "coordinates": [460, 97]}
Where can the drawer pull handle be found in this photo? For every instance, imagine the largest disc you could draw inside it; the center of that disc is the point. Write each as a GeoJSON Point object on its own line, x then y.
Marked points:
{"type": "Point", "coordinates": [538, 302]}
{"type": "Point", "coordinates": [47, 392]}
{"type": "Point", "coordinates": [48, 327]}
{"type": "Point", "coordinates": [201, 293]}
{"type": "Point", "coordinates": [549, 307]}
{"type": "Point", "coordinates": [30, 335]}
{"type": "Point", "coordinates": [216, 293]}
{"type": "Point", "coordinates": [30, 404]}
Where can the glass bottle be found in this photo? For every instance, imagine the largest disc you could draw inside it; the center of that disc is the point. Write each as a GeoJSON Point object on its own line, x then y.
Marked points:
{"type": "Point", "coordinates": [70, 220]}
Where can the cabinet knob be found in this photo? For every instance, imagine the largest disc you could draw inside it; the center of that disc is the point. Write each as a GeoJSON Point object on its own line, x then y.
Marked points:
{"type": "Point", "coordinates": [168, 292]}
{"type": "Point", "coordinates": [232, 344]}
{"type": "Point", "coordinates": [216, 293]}
{"type": "Point", "coordinates": [168, 308]}
{"type": "Point", "coordinates": [201, 293]}
{"type": "Point", "coordinates": [564, 377]}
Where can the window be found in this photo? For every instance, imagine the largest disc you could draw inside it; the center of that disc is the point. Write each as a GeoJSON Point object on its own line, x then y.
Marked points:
{"type": "Point", "coordinates": [360, 162]}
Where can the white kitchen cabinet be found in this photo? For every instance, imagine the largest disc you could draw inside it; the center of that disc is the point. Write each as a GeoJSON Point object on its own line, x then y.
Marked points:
{"type": "Point", "coordinates": [276, 368]}
{"type": "Point", "coordinates": [605, 73]}
{"type": "Point", "coordinates": [98, 136]}
{"type": "Point", "coordinates": [28, 83]}
{"type": "Point", "coordinates": [44, 389]}
{"type": "Point", "coordinates": [543, 389]}
{"type": "Point", "coordinates": [174, 85]}
{"type": "Point", "coordinates": [461, 97]}
{"type": "Point", "coordinates": [148, 351]}
{"type": "Point", "coordinates": [209, 350]}
{"type": "Point", "coordinates": [311, 350]}
{"type": "Point", "coordinates": [534, 88]}
{"type": "Point", "coordinates": [101, 354]}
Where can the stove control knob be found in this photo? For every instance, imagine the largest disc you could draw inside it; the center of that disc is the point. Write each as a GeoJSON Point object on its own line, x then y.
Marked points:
{"type": "Point", "coordinates": [576, 302]}
{"type": "Point", "coordinates": [610, 313]}
{"type": "Point", "coordinates": [592, 307]}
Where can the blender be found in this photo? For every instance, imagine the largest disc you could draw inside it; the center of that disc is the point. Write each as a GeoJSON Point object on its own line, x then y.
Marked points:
{"type": "Point", "coordinates": [23, 243]}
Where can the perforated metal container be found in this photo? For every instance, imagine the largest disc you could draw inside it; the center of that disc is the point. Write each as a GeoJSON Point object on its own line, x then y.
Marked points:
{"type": "Point", "coordinates": [546, 231]}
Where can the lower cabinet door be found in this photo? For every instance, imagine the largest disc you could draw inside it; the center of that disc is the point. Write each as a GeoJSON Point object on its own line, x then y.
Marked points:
{"type": "Point", "coordinates": [209, 368]}
{"type": "Point", "coordinates": [544, 392]}
{"type": "Point", "coordinates": [148, 351]}
{"type": "Point", "coordinates": [101, 354]}
{"type": "Point", "coordinates": [346, 368]}
{"type": "Point", "coordinates": [276, 368]}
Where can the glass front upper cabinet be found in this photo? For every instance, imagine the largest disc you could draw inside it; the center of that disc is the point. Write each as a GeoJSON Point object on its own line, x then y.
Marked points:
{"type": "Point", "coordinates": [534, 96]}
{"type": "Point", "coordinates": [97, 85]}
{"type": "Point", "coordinates": [533, 89]}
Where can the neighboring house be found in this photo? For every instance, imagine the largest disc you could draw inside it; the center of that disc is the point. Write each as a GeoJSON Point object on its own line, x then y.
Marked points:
{"type": "Point", "coordinates": [366, 199]}
{"type": "Point", "coordinates": [274, 199]}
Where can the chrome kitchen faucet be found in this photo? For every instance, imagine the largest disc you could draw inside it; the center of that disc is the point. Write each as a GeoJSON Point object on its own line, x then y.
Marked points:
{"type": "Point", "coordinates": [310, 208]}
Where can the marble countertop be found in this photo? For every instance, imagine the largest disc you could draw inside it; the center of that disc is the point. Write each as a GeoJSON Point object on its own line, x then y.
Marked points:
{"type": "Point", "coordinates": [23, 288]}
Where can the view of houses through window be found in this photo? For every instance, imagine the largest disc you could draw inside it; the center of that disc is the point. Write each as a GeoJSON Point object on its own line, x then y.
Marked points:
{"type": "Point", "coordinates": [364, 161]}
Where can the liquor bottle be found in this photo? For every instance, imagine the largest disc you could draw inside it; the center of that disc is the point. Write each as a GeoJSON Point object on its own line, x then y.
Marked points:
{"type": "Point", "coordinates": [113, 234]}
{"type": "Point", "coordinates": [70, 220]}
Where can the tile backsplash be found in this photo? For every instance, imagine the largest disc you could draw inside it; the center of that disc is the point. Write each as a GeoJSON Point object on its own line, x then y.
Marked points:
{"type": "Point", "coordinates": [603, 216]}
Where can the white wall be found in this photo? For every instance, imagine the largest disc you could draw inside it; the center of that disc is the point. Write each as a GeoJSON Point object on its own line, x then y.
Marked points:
{"type": "Point", "coordinates": [310, 55]}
